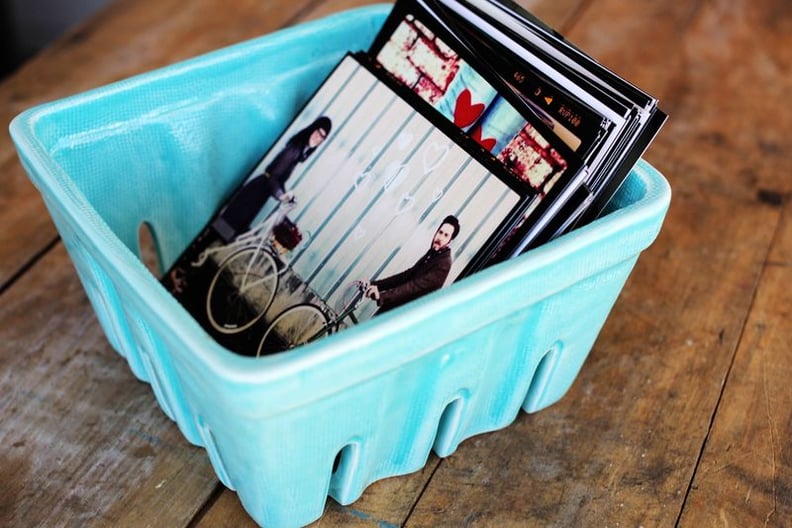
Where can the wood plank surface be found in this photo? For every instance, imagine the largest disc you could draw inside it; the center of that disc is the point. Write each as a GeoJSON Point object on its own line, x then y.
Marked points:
{"type": "Point", "coordinates": [680, 416]}
{"type": "Point", "coordinates": [88, 444]}
{"type": "Point", "coordinates": [745, 475]}
{"type": "Point", "coordinates": [84, 443]}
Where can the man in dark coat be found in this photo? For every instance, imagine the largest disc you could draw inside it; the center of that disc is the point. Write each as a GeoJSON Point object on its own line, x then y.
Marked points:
{"type": "Point", "coordinates": [425, 276]}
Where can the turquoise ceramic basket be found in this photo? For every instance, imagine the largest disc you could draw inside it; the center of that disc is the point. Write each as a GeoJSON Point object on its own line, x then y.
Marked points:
{"type": "Point", "coordinates": [164, 147]}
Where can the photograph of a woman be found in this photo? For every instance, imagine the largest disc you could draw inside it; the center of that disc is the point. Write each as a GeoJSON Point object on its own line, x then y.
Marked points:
{"type": "Point", "coordinates": [247, 201]}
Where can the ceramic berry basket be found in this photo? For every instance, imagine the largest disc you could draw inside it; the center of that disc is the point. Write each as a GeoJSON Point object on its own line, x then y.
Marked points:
{"type": "Point", "coordinates": [162, 148]}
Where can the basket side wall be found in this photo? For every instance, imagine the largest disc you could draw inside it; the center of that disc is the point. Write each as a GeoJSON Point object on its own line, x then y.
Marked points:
{"type": "Point", "coordinates": [387, 425]}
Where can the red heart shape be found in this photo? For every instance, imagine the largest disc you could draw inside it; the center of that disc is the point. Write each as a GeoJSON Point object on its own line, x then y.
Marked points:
{"type": "Point", "coordinates": [465, 112]}
{"type": "Point", "coordinates": [487, 143]}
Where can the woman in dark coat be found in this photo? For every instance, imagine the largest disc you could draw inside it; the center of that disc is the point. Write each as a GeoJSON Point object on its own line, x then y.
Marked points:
{"type": "Point", "coordinates": [247, 201]}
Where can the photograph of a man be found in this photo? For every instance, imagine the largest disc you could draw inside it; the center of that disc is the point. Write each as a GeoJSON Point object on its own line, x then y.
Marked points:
{"type": "Point", "coordinates": [425, 276]}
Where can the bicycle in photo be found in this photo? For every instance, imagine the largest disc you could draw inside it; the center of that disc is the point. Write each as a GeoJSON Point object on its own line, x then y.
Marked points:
{"type": "Point", "coordinates": [306, 322]}
{"type": "Point", "coordinates": [244, 285]}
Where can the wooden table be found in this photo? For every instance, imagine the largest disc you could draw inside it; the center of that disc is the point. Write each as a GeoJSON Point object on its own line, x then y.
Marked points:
{"type": "Point", "coordinates": [681, 414]}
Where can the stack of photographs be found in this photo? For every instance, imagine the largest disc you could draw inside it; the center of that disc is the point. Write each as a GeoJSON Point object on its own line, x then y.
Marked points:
{"type": "Point", "coordinates": [468, 133]}
{"type": "Point", "coordinates": [589, 125]}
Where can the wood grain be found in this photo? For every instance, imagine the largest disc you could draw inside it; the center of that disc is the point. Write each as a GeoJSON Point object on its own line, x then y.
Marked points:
{"type": "Point", "coordinates": [680, 415]}
{"type": "Point", "coordinates": [84, 441]}
{"type": "Point", "coordinates": [745, 473]}
{"type": "Point", "coordinates": [385, 504]}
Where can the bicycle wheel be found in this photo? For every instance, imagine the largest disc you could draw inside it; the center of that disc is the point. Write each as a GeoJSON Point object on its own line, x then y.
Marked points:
{"type": "Point", "coordinates": [241, 290]}
{"type": "Point", "coordinates": [294, 326]}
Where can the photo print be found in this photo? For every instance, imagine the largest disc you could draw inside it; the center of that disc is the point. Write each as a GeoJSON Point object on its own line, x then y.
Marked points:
{"type": "Point", "coordinates": [418, 57]}
{"type": "Point", "coordinates": [362, 205]}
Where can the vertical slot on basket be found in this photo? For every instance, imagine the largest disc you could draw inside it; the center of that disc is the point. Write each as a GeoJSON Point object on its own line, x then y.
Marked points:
{"type": "Point", "coordinates": [207, 437]}
{"type": "Point", "coordinates": [344, 468]}
{"type": "Point", "coordinates": [109, 310]}
{"type": "Point", "coordinates": [447, 439]}
{"type": "Point", "coordinates": [148, 249]}
{"type": "Point", "coordinates": [153, 374]}
{"type": "Point", "coordinates": [541, 378]}
{"type": "Point", "coordinates": [337, 462]}
{"type": "Point", "coordinates": [97, 288]}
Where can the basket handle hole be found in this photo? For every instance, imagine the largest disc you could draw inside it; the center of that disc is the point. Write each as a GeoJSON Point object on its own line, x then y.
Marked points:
{"type": "Point", "coordinates": [345, 467]}
{"type": "Point", "coordinates": [345, 460]}
{"type": "Point", "coordinates": [542, 378]}
{"type": "Point", "coordinates": [446, 439]}
{"type": "Point", "coordinates": [148, 249]}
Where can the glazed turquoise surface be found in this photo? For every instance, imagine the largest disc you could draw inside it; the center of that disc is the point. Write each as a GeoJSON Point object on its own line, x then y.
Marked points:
{"type": "Point", "coordinates": [164, 148]}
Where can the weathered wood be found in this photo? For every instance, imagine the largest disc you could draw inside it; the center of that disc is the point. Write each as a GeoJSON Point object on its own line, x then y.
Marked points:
{"type": "Point", "coordinates": [84, 441]}
{"type": "Point", "coordinates": [624, 443]}
{"type": "Point", "coordinates": [676, 369]}
{"type": "Point", "coordinates": [745, 475]}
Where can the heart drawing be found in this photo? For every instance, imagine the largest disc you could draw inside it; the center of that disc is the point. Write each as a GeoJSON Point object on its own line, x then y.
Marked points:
{"type": "Point", "coordinates": [487, 143]}
{"type": "Point", "coordinates": [465, 111]}
{"type": "Point", "coordinates": [433, 155]}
